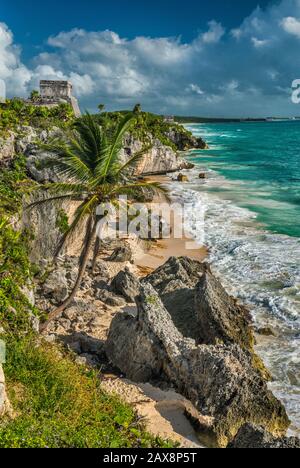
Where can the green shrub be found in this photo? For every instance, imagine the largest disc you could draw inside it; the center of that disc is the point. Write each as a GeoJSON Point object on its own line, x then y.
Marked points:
{"type": "Point", "coordinates": [61, 405]}
{"type": "Point", "coordinates": [62, 221]}
{"type": "Point", "coordinates": [15, 112]}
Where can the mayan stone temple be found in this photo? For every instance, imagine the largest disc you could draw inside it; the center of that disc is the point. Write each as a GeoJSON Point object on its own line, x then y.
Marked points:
{"type": "Point", "coordinates": [54, 92]}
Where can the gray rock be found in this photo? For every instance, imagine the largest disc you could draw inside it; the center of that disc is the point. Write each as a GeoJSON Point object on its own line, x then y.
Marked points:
{"type": "Point", "coordinates": [265, 331]}
{"type": "Point", "coordinates": [101, 271]}
{"type": "Point", "coordinates": [250, 436]}
{"type": "Point", "coordinates": [110, 299]}
{"type": "Point", "coordinates": [159, 159]}
{"type": "Point", "coordinates": [121, 254]}
{"type": "Point", "coordinates": [219, 380]}
{"type": "Point", "coordinates": [26, 136]}
{"type": "Point", "coordinates": [126, 284]}
{"type": "Point", "coordinates": [56, 285]}
{"type": "Point", "coordinates": [175, 282]}
{"type": "Point", "coordinates": [185, 140]}
{"type": "Point", "coordinates": [220, 319]}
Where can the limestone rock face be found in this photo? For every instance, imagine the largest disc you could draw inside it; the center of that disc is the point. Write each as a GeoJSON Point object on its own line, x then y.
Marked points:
{"type": "Point", "coordinates": [159, 159]}
{"type": "Point", "coordinates": [175, 282]}
{"type": "Point", "coordinates": [220, 319]}
{"type": "Point", "coordinates": [250, 436]}
{"type": "Point", "coordinates": [42, 221]}
{"type": "Point", "coordinates": [219, 380]}
{"type": "Point", "coordinates": [126, 284]}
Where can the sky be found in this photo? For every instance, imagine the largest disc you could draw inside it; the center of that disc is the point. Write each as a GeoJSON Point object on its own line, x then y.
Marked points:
{"type": "Point", "coordinates": [218, 59]}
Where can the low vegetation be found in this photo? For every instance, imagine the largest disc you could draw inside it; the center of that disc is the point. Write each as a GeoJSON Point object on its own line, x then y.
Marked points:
{"type": "Point", "coordinates": [58, 404]}
{"type": "Point", "coordinates": [148, 125]}
{"type": "Point", "coordinates": [15, 113]}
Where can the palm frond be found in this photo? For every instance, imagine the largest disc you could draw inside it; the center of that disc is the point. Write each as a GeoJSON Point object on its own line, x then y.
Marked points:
{"type": "Point", "coordinates": [110, 157]}
{"type": "Point", "coordinates": [139, 186]}
{"type": "Point", "coordinates": [66, 163]}
{"type": "Point", "coordinates": [62, 188]}
{"type": "Point", "coordinates": [51, 200]}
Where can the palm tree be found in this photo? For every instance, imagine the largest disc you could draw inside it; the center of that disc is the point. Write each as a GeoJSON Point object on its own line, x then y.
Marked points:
{"type": "Point", "coordinates": [88, 159]}
{"type": "Point", "coordinates": [101, 107]}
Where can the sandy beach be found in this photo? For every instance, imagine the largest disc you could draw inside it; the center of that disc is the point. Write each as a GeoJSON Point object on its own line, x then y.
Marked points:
{"type": "Point", "coordinates": [158, 252]}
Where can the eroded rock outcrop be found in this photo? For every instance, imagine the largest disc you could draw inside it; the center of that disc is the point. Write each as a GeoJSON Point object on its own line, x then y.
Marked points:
{"type": "Point", "coordinates": [185, 141]}
{"type": "Point", "coordinates": [250, 436]}
{"type": "Point", "coordinates": [220, 319]}
{"type": "Point", "coordinates": [126, 284]}
{"type": "Point", "coordinates": [158, 159]}
{"type": "Point", "coordinates": [175, 282]}
{"type": "Point", "coordinates": [219, 380]}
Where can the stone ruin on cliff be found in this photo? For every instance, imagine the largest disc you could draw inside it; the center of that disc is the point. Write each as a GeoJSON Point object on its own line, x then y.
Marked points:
{"type": "Point", "coordinates": [53, 93]}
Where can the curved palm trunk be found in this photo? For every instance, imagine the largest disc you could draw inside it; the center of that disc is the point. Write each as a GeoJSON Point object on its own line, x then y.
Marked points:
{"type": "Point", "coordinates": [90, 234]}
{"type": "Point", "coordinates": [96, 251]}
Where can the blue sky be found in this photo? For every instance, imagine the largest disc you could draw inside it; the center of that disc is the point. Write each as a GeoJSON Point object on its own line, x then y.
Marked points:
{"type": "Point", "coordinates": [217, 58]}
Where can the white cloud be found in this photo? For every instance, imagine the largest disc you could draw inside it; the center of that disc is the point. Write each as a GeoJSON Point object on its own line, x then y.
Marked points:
{"type": "Point", "coordinates": [245, 72]}
{"type": "Point", "coordinates": [291, 25]}
{"type": "Point", "coordinates": [214, 34]}
{"type": "Point", "coordinates": [259, 42]}
{"type": "Point", "coordinates": [12, 71]}
{"type": "Point", "coordinates": [194, 88]}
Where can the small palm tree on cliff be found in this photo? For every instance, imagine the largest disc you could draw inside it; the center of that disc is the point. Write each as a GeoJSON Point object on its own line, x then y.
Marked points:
{"type": "Point", "coordinates": [89, 161]}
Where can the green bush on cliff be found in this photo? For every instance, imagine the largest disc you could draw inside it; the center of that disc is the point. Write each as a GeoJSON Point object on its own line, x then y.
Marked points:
{"type": "Point", "coordinates": [15, 272]}
{"type": "Point", "coordinates": [13, 182]}
{"type": "Point", "coordinates": [61, 405]}
{"type": "Point", "coordinates": [15, 112]}
{"type": "Point", "coordinates": [147, 124]}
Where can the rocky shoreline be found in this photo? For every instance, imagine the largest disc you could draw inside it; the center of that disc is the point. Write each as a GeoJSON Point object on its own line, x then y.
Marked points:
{"type": "Point", "coordinates": [153, 333]}
{"type": "Point", "coordinates": [176, 328]}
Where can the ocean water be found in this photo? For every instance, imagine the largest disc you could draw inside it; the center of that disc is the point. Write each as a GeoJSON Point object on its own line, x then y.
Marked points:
{"type": "Point", "coordinates": [252, 229]}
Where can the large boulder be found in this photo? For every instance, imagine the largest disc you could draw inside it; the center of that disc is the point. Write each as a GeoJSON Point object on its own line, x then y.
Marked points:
{"type": "Point", "coordinates": [220, 319]}
{"type": "Point", "coordinates": [126, 284]}
{"type": "Point", "coordinates": [175, 282]}
{"type": "Point", "coordinates": [121, 254]}
{"type": "Point", "coordinates": [219, 380]}
{"type": "Point", "coordinates": [56, 286]}
{"type": "Point", "coordinates": [250, 436]}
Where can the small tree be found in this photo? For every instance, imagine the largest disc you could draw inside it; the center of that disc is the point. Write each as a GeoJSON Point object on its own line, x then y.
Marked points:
{"type": "Point", "coordinates": [137, 109]}
{"type": "Point", "coordinates": [34, 95]}
{"type": "Point", "coordinates": [101, 107]}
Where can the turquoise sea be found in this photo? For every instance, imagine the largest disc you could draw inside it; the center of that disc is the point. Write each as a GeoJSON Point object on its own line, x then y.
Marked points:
{"type": "Point", "coordinates": [251, 199]}
{"type": "Point", "coordinates": [264, 158]}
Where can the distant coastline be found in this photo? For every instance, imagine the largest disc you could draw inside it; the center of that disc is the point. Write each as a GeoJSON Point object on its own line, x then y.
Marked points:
{"type": "Point", "coordinates": [191, 119]}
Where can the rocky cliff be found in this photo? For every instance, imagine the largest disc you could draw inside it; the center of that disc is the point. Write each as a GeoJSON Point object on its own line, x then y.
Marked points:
{"type": "Point", "coordinates": [215, 367]}
{"type": "Point", "coordinates": [158, 159]}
